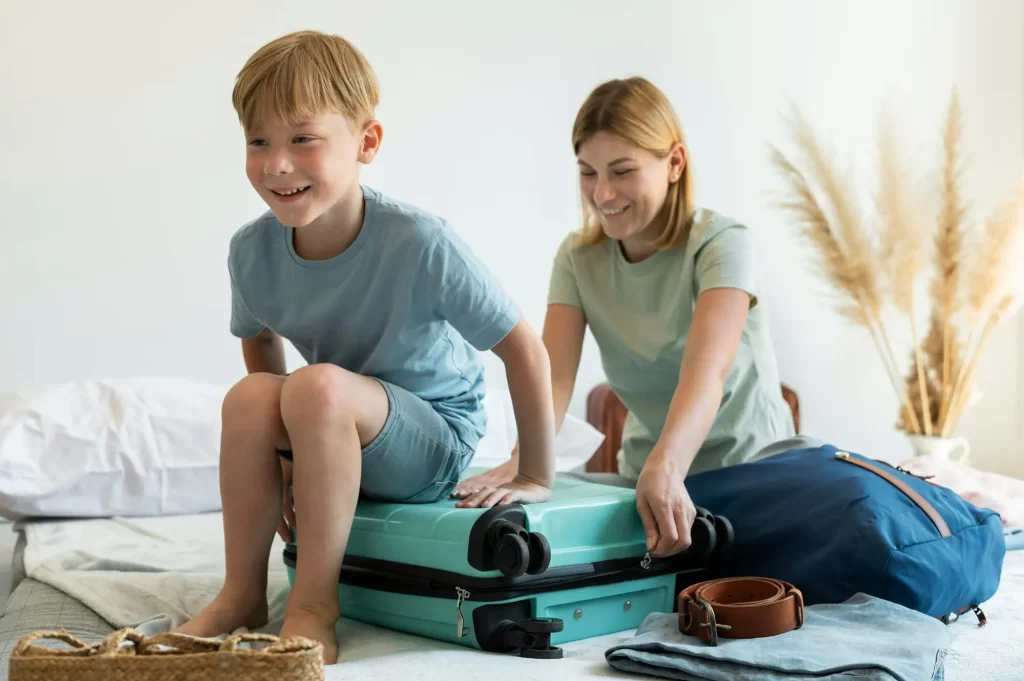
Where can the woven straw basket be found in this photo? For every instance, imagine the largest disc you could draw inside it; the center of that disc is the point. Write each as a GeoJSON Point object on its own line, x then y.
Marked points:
{"type": "Point", "coordinates": [165, 657]}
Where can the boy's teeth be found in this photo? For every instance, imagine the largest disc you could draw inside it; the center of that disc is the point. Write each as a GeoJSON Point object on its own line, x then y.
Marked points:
{"type": "Point", "coordinates": [289, 192]}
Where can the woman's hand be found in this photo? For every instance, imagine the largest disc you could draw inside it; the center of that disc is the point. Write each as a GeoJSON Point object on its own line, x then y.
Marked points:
{"type": "Point", "coordinates": [664, 506]}
{"type": "Point", "coordinates": [518, 489]}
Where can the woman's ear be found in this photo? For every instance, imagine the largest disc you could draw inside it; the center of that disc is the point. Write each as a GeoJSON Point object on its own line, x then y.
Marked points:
{"type": "Point", "coordinates": [373, 135]}
{"type": "Point", "coordinates": [676, 162]}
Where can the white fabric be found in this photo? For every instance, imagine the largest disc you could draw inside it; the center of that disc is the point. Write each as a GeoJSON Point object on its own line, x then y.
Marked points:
{"type": "Point", "coordinates": [150, 447]}
{"type": "Point", "coordinates": [575, 443]}
{"type": "Point", "coordinates": [140, 446]}
{"type": "Point", "coordinates": [168, 568]}
{"type": "Point", "coordinates": [986, 489]}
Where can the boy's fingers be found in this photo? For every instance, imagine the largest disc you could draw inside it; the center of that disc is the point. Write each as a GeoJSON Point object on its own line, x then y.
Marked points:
{"type": "Point", "coordinates": [474, 499]}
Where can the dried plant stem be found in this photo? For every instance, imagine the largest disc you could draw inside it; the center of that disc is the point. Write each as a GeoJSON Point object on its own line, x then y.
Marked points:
{"type": "Point", "coordinates": [880, 338]}
{"type": "Point", "coordinates": [947, 360]}
{"type": "Point", "coordinates": [949, 244]}
{"type": "Point", "coordinates": [926, 412]}
{"type": "Point", "coordinates": [965, 377]}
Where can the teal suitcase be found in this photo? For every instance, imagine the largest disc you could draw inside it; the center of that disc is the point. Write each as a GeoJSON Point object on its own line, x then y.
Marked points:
{"type": "Point", "coordinates": [515, 578]}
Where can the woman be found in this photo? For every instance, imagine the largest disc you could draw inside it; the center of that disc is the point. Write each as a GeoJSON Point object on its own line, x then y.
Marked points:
{"type": "Point", "coordinates": [670, 294]}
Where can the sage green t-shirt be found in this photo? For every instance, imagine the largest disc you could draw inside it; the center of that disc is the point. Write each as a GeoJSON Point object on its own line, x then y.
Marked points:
{"type": "Point", "coordinates": [640, 315]}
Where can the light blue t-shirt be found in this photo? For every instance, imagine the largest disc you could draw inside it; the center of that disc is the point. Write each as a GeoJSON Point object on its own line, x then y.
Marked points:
{"type": "Point", "coordinates": [407, 303]}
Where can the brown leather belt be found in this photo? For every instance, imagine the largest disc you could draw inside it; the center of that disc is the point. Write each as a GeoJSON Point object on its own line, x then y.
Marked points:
{"type": "Point", "coordinates": [740, 607]}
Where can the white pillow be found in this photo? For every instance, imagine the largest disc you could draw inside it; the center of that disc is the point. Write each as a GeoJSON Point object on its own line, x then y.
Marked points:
{"type": "Point", "coordinates": [151, 446]}
{"type": "Point", "coordinates": [575, 443]}
{"type": "Point", "coordinates": [97, 448]}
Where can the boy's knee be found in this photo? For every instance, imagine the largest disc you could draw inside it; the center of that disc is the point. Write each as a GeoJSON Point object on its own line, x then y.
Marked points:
{"type": "Point", "coordinates": [254, 396]}
{"type": "Point", "coordinates": [316, 393]}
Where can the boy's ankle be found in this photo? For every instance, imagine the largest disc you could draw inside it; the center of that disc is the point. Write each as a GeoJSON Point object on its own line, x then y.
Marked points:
{"type": "Point", "coordinates": [248, 598]}
{"type": "Point", "coordinates": [324, 612]}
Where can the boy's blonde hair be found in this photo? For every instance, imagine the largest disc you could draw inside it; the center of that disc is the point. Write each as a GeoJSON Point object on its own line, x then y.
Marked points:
{"type": "Point", "coordinates": [638, 112]}
{"type": "Point", "coordinates": [304, 74]}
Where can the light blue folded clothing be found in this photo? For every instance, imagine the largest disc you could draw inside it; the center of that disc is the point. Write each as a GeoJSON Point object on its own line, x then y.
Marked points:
{"type": "Point", "coordinates": [1014, 537]}
{"type": "Point", "coordinates": [865, 638]}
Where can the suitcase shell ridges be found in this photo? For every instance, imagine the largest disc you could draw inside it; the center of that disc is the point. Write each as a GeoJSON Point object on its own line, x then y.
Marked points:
{"type": "Point", "coordinates": [583, 523]}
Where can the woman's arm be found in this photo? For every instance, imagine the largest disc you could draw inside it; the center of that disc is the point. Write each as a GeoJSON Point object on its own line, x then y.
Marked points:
{"type": "Point", "coordinates": [712, 342]}
{"type": "Point", "coordinates": [564, 329]}
{"type": "Point", "coordinates": [714, 337]}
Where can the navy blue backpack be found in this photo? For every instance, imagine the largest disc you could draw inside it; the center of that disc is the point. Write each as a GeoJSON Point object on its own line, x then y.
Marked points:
{"type": "Point", "coordinates": [834, 523]}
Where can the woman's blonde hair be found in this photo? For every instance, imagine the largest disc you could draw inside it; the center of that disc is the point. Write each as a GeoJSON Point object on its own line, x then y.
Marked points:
{"type": "Point", "coordinates": [303, 74]}
{"type": "Point", "coordinates": [638, 112]}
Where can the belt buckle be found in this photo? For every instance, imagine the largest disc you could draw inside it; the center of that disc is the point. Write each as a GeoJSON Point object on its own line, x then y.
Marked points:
{"type": "Point", "coordinates": [799, 606]}
{"type": "Point", "coordinates": [712, 625]}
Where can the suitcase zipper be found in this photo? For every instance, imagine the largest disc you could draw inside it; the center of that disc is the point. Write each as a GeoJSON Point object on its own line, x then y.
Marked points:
{"type": "Point", "coordinates": [381, 575]}
{"type": "Point", "coordinates": [460, 594]}
{"type": "Point", "coordinates": [922, 503]}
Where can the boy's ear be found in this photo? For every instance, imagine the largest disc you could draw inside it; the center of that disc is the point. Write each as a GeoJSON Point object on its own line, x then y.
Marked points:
{"type": "Point", "coordinates": [373, 135]}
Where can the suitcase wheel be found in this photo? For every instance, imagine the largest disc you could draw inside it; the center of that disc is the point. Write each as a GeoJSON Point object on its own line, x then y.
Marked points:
{"type": "Point", "coordinates": [512, 555]}
{"type": "Point", "coordinates": [542, 625]}
{"type": "Point", "coordinates": [724, 534]}
{"type": "Point", "coordinates": [532, 637]}
{"type": "Point", "coordinates": [517, 551]}
{"type": "Point", "coordinates": [540, 553]}
{"type": "Point", "coordinates": [702, 538]}
{"type": "Point", "coordinates": [554, 653]}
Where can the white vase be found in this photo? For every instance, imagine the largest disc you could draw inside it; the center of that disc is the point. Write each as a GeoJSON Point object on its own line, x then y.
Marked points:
{"type": "Point", "coordinates": [952, 448]}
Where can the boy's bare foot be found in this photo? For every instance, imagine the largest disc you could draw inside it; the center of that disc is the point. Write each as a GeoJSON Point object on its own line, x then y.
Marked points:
{"type": "Point", "coordinates": [315, 626]}
{"type": "Point", "coordinates": [224, 615]}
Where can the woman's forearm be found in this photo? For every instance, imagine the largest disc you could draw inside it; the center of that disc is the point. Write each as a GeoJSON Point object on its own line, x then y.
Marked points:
{"type": "Point", "coordinates": [690, 417]}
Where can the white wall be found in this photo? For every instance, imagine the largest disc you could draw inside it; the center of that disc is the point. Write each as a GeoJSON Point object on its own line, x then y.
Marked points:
{"type": "Point", "coordinates": [122, 176]}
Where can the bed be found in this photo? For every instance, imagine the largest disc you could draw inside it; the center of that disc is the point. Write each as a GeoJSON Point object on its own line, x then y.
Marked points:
{"type": "Point", "coordinates": [92, 576]}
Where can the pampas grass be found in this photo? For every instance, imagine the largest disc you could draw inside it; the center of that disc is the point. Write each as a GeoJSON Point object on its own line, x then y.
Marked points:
{"type": "Point", "coordinates": [879, 259]}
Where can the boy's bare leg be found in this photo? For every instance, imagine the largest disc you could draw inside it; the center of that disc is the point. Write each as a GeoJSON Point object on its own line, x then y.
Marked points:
{"type": "Point", "coordinates": [330, 415]}
{"type": "Point", "coordinates": [250, 485]}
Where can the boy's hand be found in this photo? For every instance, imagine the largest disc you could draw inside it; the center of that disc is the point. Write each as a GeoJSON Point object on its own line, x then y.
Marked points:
{"type": "Point", "coordinates": [287, 524]}
{"type": "Point", "coordinates": [496, 477]}
{"type": "Point", "coordinates": [518, 489]}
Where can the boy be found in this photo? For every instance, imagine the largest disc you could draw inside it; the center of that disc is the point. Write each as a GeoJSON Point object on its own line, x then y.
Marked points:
{"type": "Point", "coordinates": [387, 306]}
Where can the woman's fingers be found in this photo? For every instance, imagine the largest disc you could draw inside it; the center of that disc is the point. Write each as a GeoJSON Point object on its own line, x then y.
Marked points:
{"type": "Point", "coordinates": [649, 523]}
{"type": "Point", "coordinates": [665, 518]}
{"type": "Point", "coordinates": [682, 529]}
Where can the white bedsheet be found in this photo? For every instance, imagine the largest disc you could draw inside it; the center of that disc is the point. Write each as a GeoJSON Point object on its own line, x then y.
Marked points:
{"type": "Point", "coordinates": [154, 573]}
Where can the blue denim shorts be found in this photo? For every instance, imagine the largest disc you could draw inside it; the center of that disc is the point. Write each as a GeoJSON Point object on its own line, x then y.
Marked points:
{"type": "Point", "coordinates": [417, 457]}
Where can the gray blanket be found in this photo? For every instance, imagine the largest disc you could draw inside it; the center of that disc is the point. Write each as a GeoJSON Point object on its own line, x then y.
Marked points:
{"type": "Point", "coordinates": [865, 638]}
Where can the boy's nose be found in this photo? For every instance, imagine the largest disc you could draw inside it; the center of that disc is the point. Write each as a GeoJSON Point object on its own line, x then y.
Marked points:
{"type": "Point", "coordinates": [277, 164]}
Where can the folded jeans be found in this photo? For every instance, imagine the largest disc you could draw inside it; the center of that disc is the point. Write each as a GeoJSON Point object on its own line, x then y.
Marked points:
{"type": "Point", "coordinates": [865, 637]}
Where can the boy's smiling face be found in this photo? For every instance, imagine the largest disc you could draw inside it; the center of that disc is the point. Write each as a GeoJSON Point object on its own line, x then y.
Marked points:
{"type": "Point", "coordinates": [304, 169]}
